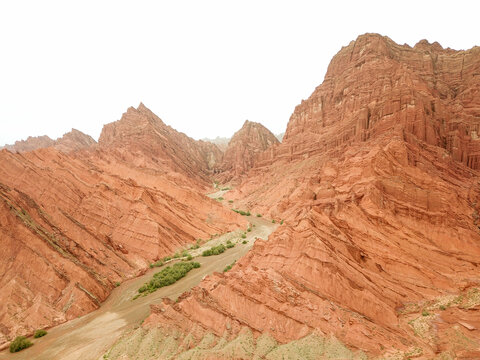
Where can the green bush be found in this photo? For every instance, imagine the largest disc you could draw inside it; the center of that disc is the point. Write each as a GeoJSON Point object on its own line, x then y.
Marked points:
{"type": "Point", "coordinates": [225, 188]}
{"type": "Point", "coordinates": [249, 229]}
{"type": "Point", "coordinates": [244, 236]}
{"type": "Point", "coordinates": [425, 313]}
{"type": "Point", "coordinates": [117, 283]}
{"type": "Point", "coordinates": [20, 343]}
{"type": "Point", "coordinates": [216, 250]}
{"type": "Point", "coordinates": [241, 212]}
{"type": "Point", "coordinates": [244, 241]}
{"type": "Point", "coordinates": [189, 257]}
{"type": "Point", "coordinates": [230, 201]}
{"type": "Point", "coordinates": [281, 222]}
{"type": "Point", "coordinates": [273, 221]}
{"type": "Point", "coordinates": [229, 267]}
{"type": "Point", "coordinates": [39, 333]}
{"type": "Point", "coordinates": [156, 264]}
{"type": "Point", "coordinates": [443, 307]}
{"type": "Point", "coordinates": [229, 246]}
{"type": "Point", "coordinates": [259, 215]}
{"type": "Point", "coordinates": [219, 198]}
{"type": "Point", "coordinates": [166, 258]}
{"type": "Point", "coordinates": [150, 266]}
{"type": "Point", "coordinates": [168, 276]}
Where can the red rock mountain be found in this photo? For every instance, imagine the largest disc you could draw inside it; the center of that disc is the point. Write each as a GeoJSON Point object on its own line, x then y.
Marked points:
{"type": "Point", "coordinates": [377, 182]}
{"type": "Point", "coordinates": [248, 142]}
{"type": "Point", "coordinates": [140, 131]}
{"type": "Point", "coordinates": [71, 141]}
{"type": "Point", "coordinates": [74, 224]}
{"type": "Point", "coordinates": [32, 143]}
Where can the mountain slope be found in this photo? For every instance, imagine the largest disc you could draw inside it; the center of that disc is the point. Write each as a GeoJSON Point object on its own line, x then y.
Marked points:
{"type": "Point", "coordinates": [376, 179]}
{"type": "Point", "coordinates": [71, 141]}
{"type": "Point", "coordinates": [72, 225]}
{"type": "Point", "coordinates": [244, 146]}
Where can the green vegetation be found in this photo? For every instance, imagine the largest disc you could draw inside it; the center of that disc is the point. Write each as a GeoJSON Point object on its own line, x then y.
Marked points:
{"type": "Point", "coordinates": [225, 188]}
{"type": "Point", "coordinates": [39, 333]}
{"type": "Point", "coordinates": [230, 244]}
{"type": "Point", "coordinates": [244, 241]}
{"type": "Point", "coordinates": [425, 313]}
{"type": "Point", "coordinates": [273, 221]}
{"type": "Point", "coordinates": [244, 236]}
{"type": "Point", "coordinates": [197, 245]}
{"type": "Point", "coordinates": [117, 283]}
{"type": "Point", "coordinates": [249, 229]}
{"type": "Point", "coordinates": [20, 343]}
{"type": "Point", "coordinates": [168, 276]}
{"type": "Point", "coordinates": [157, 264]}
{"type": "Point", "coordinates": [216, 250]}
{"type": "Point", "coordinates": [241, 212]}
{"type": "Point", "coordinates": [259, 215]}
{"type": "Point", "coordinates": [229, 267]}
{"type": "Point", "coordinates": [219, 198]}
{"type": "Point", "coordinates": [230, 201]}
{"type": "Point", "coordinates": [281, 222]}
{"type": "Point", "coordinates": [166, 258]}
{"type": "Point", "coordinates": [189, 257]}
{"type": "Point", "coordinates": [443, 307]}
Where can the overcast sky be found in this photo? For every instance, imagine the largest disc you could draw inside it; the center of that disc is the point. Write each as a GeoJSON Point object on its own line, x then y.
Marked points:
{"type": "Point", "coordinates": [204, 67]}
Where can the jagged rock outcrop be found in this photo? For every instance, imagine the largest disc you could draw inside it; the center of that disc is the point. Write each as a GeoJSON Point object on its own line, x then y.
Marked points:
{"type": "Point", "coordinates": [73, 224]}
{"type": "Point", "coordinates": [377, 182]}
{"type": "Point", "coordinates": [32, 143]}
{"type": "Point", "coordinates": [245, 145]}
{"type": "Point", "coordinates": [140, 131]}
{"type": "Point", "coordinates": [71, 141]}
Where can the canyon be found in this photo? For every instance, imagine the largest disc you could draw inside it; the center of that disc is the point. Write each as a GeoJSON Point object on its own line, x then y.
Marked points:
{"type": "Point", "coordinates": [374, 191]}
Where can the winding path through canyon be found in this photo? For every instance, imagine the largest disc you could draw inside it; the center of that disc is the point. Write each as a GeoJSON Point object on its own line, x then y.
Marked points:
{"type": "Point", "coordinates": [88, 337]}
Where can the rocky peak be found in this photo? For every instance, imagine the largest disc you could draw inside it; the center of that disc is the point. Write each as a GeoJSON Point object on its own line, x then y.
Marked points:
{"type": "Point", "coordinates": [71, 141]}
{"type": "Point", "coordinates": [141, 132]}
{"type": "Point", "coordinates": [31, 143]}
{"type": "Point", "coordinates": [74, 140]}
{"type": "Point", "coordinates": [252, 139]}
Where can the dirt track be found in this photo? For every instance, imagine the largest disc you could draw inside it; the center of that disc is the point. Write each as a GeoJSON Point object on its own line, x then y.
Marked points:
{"type": "Point", "coordinates": [90, 336]}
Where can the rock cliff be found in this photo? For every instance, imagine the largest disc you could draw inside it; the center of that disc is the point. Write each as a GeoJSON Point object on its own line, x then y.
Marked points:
{"type": "Point", "coordinates": [377, 187]}
{"type": "Point", "coordinates": [243, 148]}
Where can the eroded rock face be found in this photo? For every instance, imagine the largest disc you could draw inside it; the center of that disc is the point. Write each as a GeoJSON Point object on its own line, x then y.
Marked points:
{"type": "Point", "coordinates": [71, 141]}
{"type": "Point", "coordinates": [245, 145]}
{"type": "Point", "coordinates": [377, 182]}
{"type": "Point", "coordinates": [74, 224]}
{"type": "Point", "coordinates": [31, 143]}
{"type": "Point", "coordinates": [141, 131]}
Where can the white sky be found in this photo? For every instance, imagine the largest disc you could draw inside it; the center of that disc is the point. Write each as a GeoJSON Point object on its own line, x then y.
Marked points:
{"type": "Point", "coordinates": [204, 67]}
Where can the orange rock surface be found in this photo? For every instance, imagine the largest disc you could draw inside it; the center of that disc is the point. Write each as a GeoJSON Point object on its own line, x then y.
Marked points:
{"type": "Point", "coordinates": [377, 182]}
{"type": "Point", "coordinates": [74, 224]}
{"type": "Point", "coordinates": [243, 148]}
{"type": "Point", "coordinates": [71, 141]}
